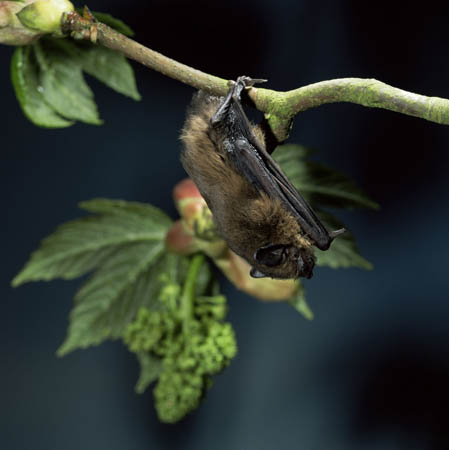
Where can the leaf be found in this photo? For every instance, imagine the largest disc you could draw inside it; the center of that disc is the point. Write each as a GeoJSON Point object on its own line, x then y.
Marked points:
{"type": "Point", "coordinates": [144, 215]}
{"type": "Point", "coordinates": [108, 302]}
{"type": "Point", "coordinates": [319, 184]}
{"type": "Point", "coordinates": [124, 242]}
{"type": "Point", "coordinates": [63, 85]}
{"type": "Point", "coordinates": [111, 68]}
{"type": "Point", "coordinates": [25, 80]}
{"type": "Point", "coordinates": [150, 369]}
{"type": "Point", "coordinates": [110, 299]}
{"type": "Point", "coordinates": [343, 252]}
{"type": "Point", "coordinates": [81, 245]}
{"type": "Point", "coordinates": [299, 303]}
{"type": "Point", "coordinates": [107, 66]}
{"type": "Point", "coordinates": [48, 79]}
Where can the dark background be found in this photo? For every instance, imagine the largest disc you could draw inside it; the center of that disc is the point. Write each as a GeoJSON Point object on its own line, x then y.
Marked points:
{"type": "Point", "coordinates": [372, 370]}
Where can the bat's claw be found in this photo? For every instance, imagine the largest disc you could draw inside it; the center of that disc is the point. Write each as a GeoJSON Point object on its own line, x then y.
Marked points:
{"type": "Point", "coordinates": [243, 82]}
{"type": "Point", "coordinates": [249, 82]}
{"type": "Point", "coordinates": [334, 234]}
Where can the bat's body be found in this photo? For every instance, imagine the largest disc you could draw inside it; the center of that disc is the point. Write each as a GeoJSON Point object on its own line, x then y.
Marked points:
{"type": "Point", "coordinates": [257, 210]}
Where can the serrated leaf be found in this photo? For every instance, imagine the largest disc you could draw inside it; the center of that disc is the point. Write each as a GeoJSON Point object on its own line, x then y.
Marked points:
{"type": "Point", "coordinates": [107, 66]}
{"type": "Point", "coordinates": [150, 369]}
{"type": "Point", "coordinates": [111, 21]}
{"type": "Point", "coordinates": [148, 216]}
{"type": "Point", "coordinates": [81, 245]}
{"type": "Point", "coordinates": [25, 80]}
{"type": "Point", "coordinates": [128, 280]}
{"type": "Point", "coordinates": [318, 183]}
{"type": "Point", "coordinates": [298, 301]}
{"type": "Point", "coordinates": [63, 85]}
{"type": "Point", "coordinates": [343, 252]}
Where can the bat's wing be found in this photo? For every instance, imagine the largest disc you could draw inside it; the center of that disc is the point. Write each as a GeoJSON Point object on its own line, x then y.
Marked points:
{"type": "Point", "coordinates": [259, 168]}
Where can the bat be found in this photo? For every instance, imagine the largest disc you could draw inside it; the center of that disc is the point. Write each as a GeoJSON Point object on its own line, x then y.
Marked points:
{"type": "Point", "coordinates": [259, 213]}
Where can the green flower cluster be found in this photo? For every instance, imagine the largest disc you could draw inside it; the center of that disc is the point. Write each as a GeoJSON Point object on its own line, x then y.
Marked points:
{"type": "Point", "coordinates": [151, 331]}
{"type": "Point", "coordinates": [192, 350]}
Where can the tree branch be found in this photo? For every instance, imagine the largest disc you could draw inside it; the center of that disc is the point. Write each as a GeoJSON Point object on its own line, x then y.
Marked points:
{"type": "Point", "coordinates": [279, 108]}
{"type": "Point", "coordinates": [89, 29]}
{"type": "Point", "coordinates": [371, 93]}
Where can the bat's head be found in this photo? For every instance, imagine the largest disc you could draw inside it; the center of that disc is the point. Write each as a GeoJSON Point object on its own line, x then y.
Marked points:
{"type": "Point", "coordinates": [283, 261]}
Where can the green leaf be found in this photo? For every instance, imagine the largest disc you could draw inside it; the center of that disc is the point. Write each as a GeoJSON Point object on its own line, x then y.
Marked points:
{"type": "Point", "coordinates": [150, 369]}
{"type": "Point", "coordinates": [143, 215]}
{"type": "Point", "coordinates": [111, 21]}
{"type": "Point", "coordinates": [108, 302]}
{"type": "Point", "coordinates": [299, 303]}
{"type": "Point", "coordinates": [319, 184]}
{"type": "Point", "coordinates": [25, 80]}
{"type": "Point", "coordinates": [48, 79]}
{"type": "Point", "coordinates": [111, 68]}
{"type": "Point", "coordinates": [63, 85]}
{"type": "Point", "coordinates": [124, 243]}
{"type": "Point", "coordinates": [129, 279]}
{"type": "Point", "coordinates": [82, 245]}
{"type": "Point", "coordinates": [107, 66]}
{"type": "Point", "coordinates": [343, 253]}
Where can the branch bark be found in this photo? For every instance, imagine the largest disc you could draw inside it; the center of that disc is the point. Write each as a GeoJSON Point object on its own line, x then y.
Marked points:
{"type": "Point", "coordinates": [371, 93]}
{"type": "Point", "coordinates": [279, 108]}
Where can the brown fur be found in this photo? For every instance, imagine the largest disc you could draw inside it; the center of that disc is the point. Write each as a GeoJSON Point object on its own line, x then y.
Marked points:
{"type": "Point", "coordinates": [247, 218]}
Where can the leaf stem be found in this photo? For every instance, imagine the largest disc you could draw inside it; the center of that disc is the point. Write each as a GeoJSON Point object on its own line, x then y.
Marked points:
{"type": "Point", "coordinates": [188, 292]}
{"type": "Point", "coordinates": [279, 108]}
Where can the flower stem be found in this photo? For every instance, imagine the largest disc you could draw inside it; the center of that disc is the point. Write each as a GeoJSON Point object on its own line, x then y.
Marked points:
{"type": "Point", "coordinates": [188, 292]}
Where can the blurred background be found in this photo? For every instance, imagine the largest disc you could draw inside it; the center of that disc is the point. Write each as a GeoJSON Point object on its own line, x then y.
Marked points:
{"type": "Point", "coordinates": [372, 370]}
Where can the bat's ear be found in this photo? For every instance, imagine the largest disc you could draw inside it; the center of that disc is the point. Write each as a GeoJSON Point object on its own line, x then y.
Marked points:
{"type": "Point", "coordinates": [256, 273]}
{"type": "Point", "coordinates": [271, 255]}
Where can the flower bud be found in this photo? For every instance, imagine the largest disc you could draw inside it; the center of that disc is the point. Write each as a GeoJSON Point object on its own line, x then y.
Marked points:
{"type": "Point", "coordinates": [177, 240]}
{"type": "Point", "coordinates": [185, 189]}
{"type": "Point", "coordinates": [12, 32]}
{"type": "Point", "coordinates": [45, 15]}
{"type": "Point", "coordinates": [196, 215]}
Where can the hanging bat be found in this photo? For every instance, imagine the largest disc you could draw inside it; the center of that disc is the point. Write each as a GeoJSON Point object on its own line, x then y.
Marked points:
{"type": "Point", "coordinates": [259, 213]}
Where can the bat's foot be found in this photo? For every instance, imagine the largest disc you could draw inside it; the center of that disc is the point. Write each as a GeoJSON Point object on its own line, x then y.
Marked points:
{"type": "Point", "coordinates": [233, 96]}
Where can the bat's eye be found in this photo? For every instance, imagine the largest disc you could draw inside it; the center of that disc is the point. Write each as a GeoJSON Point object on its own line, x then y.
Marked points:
{"type": "Point", "coordinates": [271, 255]}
